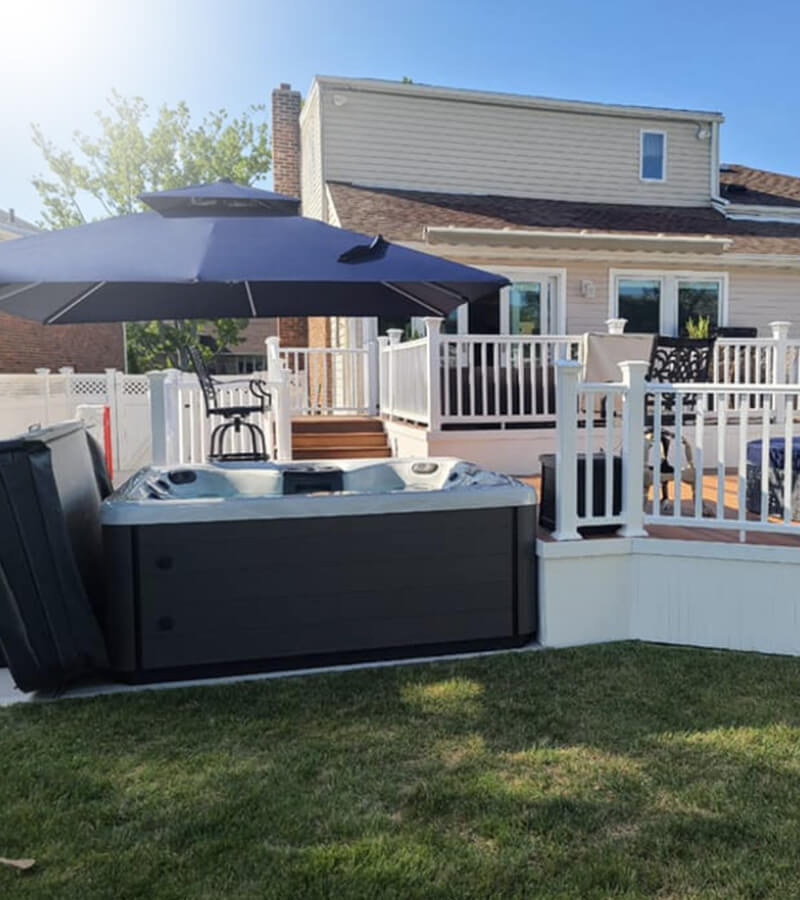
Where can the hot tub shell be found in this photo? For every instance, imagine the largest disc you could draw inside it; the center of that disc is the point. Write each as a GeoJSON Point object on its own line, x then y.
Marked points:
{"type": "Point", "coordinates": [397, 563]}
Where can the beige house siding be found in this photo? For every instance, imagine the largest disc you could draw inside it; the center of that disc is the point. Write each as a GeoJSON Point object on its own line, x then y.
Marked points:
{"type": "Point", "coordinates": [418, 142]}
{"type": "Point", "coordinates": [761, 296]}
{"type": "Point", "coordinates": [311, 157]}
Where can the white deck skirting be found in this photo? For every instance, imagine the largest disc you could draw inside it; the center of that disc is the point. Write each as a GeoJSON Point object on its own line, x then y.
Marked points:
{"type": "Point", "coordinates": [699, 593]}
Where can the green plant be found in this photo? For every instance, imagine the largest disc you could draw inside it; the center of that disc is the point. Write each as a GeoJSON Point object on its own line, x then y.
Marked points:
{"type": "Point", "coordinates": [699, 328]}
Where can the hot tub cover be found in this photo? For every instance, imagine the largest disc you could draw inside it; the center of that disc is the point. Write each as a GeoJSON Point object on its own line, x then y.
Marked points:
{"type": "Point", "coordinates": [51, 486]}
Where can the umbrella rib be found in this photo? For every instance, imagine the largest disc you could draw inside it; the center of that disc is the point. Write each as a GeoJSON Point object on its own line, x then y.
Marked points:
{"type": "Point", "coordinates": [408, 296]}
{"type": "Point", "coordinates": [250, 299]}
{"type": "Point", "coordinates": [445, 290]}
{"type": "Point", "coordinates": [21, 290]}
{"type": "Point", "coordinates": [70, 306]}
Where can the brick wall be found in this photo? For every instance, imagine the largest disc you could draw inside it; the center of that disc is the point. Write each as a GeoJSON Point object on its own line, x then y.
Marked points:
{"type": "Point", "coordinates": [25, 346]}
{"type": "Point", "coordinates": [286, 103]}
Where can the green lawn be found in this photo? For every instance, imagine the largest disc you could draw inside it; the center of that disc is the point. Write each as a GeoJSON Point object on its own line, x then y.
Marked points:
{"type": "Point", "coordinates": [625, 770]}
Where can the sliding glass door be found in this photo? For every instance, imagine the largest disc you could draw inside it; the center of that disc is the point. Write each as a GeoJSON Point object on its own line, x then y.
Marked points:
{"type": "Point", "coordinates": [530, 307]}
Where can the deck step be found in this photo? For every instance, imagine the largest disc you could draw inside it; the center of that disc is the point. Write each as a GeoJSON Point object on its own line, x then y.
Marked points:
{"type": "Point", "coordinates": [335, 424]}
{"type": "Point", "coordinates": [304, 440]}
{"type": "Point", "coordinates": [343, 452]}
{"type": "Point", "coordinates": [339, 437]}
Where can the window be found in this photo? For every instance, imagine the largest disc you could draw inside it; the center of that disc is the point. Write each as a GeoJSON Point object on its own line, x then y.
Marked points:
{"type": "Point", "coordinates": [639, 301]}
{"type": "Point", "coordinates": [663, 302]}
{"type": "Point", "coordinates": [653, 154]}
{"type": "Point", "coordinates": [698, 299]}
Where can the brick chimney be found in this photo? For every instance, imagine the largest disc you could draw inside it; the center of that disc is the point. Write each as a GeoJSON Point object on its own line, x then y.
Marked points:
{"type": "Point", "coordinates": [293, 332]}
{"type": "Point", "coordinates": [286, 140]}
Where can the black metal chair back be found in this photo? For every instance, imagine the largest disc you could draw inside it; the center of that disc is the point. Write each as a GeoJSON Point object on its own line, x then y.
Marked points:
{"type": "Point", "coordinates": [207, 385]}
{"type": "Point", "coordinates": [234, 417]}
{"type": "Point", "coordinates": [680, 361]}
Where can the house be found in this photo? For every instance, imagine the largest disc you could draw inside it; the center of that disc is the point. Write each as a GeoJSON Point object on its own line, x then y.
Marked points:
{"type": "Point", "coordinates": [25, 346]}
{"type": "Point", "coordinates": [594, 211]}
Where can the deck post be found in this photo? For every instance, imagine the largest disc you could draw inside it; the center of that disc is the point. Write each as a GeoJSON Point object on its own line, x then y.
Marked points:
{"type": "Point", "coordinates": [616, 326]}
{"type": "Point", "coordinates": [633, 377]}
{"type": "Point", "coordinates": [383, 375]}
{"type": "Point", "coordinates": [567, 375]}
{"type": "Point", "coordinates": [165, 421]}
{"type": "Point", "coordinates": [272, 350]}
{"type": "Point", "coordinates": [394, 335]}
{"type": "Point", "coordinates": [433, 325]}
{"type": "Point", "coordinates": [780, 334]}
{"type": "Point", "coordinates": [282, 411]}
{"type": "Point", "coordinates": [373, 377]}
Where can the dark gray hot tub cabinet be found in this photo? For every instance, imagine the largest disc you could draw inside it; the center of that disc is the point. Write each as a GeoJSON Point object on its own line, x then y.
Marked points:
{"type": "Point", "coordinates": [199, 598]}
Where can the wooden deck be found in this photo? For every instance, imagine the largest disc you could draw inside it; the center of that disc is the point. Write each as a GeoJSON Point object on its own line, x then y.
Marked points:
{"type": "Point", "coordinates": [700, 532]}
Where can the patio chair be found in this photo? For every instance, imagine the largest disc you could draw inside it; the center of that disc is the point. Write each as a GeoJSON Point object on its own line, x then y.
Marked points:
{"type": "Point", "coordinates": [233, 417]}
{"type": "Point", "coordinates": [674, 361]}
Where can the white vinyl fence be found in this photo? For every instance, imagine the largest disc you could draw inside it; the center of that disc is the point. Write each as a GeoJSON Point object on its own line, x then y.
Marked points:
{"type": "Point", "coordinates": [724, 455]}
{"type": "Point", "coordinates": [43, 398]}
{"type": "Point", "coordinates": [159, 417]}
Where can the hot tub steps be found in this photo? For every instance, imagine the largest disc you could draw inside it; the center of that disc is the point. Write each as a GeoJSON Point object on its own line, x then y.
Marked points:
{"type": "Point", "coordinates": [339, 437]}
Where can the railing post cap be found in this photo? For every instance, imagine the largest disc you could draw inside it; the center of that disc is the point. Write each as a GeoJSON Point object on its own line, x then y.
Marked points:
{"type": "Point", "coordinates": [616, 326]}
{"type": "Point", "coordinates": [394, 335]}
{"type": "Point", "coordinates": [67, 370]}
{"type": "Point", "coordinates": [433, 323]}
{"type": "Point", "coordinates": [569, 366]}
{"type": "Point", "coordinates": [42, 370]}
{"type": "Point", "coordinates": [780, 326]}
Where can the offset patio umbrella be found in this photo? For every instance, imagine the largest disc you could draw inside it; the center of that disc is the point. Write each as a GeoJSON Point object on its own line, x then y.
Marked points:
{"type": "Point", "coordinates": [224, 250]}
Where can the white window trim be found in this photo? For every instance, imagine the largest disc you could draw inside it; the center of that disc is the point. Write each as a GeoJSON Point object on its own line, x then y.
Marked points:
{"type": "Point", "coordinates": [642, 133]}
{"type": "Point", "coordinates": [521, 274]}
{"type": "Point", "coordinates": [669, 279]}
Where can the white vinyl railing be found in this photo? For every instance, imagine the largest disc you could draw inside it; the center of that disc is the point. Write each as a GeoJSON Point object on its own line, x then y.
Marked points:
{"type": "Point", "coordinates": [510, 379]}
{"type": "Point", "coordinates": [501, 379]}
{"type": "Point", "coordinates": [405, 378]}
{"type": "Point", "coordinates": [328, 380]}
{"type": "Point", "coordinates": [697, 455]}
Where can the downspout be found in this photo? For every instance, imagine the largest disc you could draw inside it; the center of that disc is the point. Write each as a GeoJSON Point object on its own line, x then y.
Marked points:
{"type": "Point", "coordinates": [716, 199]}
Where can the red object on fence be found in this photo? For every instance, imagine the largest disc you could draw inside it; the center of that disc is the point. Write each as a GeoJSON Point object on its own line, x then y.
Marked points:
{"type": "Point", "coordinates": [107, 441]}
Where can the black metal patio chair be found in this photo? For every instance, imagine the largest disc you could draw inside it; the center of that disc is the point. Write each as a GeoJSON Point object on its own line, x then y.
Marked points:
{"type": "Point", "coordinates": [674, 361]}
{"type": "Point", "coordinates": [234, 418]}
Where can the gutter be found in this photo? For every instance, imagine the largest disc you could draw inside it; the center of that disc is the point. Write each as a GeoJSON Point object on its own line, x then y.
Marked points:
{"type": "Point", "coordinates": [588, 240]}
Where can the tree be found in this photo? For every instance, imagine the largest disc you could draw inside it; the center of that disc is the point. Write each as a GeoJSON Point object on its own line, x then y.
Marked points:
{"type": "Point", "coordinates": [135, 153]}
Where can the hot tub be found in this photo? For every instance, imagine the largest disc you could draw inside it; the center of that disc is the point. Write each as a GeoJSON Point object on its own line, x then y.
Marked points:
{"type": "Point", "coordinates": [244, 567]}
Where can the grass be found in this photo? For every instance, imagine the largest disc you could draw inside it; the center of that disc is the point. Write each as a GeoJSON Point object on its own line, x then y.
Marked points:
{"type": "Point", "coordinates": [623, 770]}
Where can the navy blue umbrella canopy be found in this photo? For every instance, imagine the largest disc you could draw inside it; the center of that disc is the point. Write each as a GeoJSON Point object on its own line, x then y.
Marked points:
{"type": "Point", "coordinates": [224, 250]}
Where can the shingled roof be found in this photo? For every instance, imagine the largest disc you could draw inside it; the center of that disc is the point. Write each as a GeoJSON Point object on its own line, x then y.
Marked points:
{"type": "Point", "coordinates": [11, 222]}
{"type": "Point", "coordinates": [402, 215]}
{"type": "Point", "coordinates": [741, 184]}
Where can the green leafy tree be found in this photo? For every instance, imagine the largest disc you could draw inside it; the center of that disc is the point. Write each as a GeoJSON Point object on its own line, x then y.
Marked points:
{"type": "Point", "coordinates": [135, 152]}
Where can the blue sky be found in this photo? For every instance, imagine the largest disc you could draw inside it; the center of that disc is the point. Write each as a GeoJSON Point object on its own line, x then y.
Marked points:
{"type": "Point", "coordinates": [60, 59]}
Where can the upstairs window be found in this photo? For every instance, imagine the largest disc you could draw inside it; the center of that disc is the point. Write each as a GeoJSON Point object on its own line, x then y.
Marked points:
{"type": "Point", "coordinates": [653, 156]}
